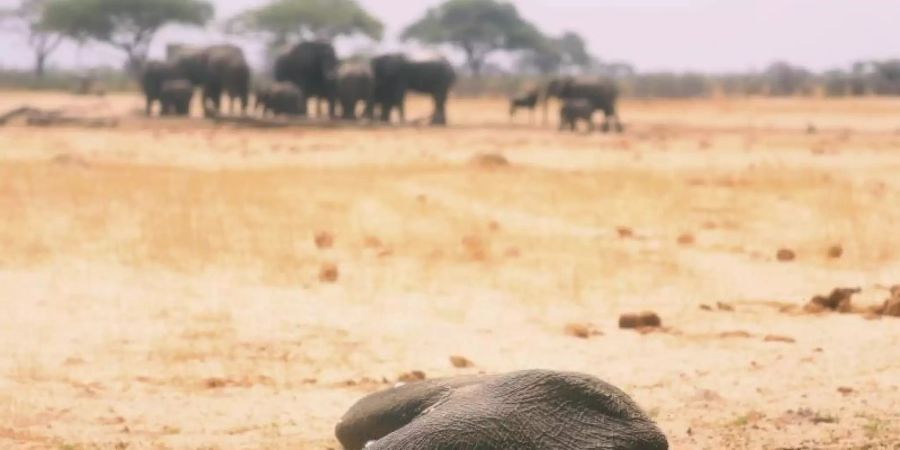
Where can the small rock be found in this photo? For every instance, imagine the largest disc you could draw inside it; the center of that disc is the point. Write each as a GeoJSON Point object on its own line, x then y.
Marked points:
{"type": "Point", "coordinates": [372, 242]}
{"type": "Point", "coordinates": [215, 383]}
{"type": "Point", "coordinates": [844, 390]}
{"type": "Point", "coordinates": [840, 299]}
{"type": "Point", "coordinates": [578, 330]}
{"type": "Point", "coordinates": [786, 255]}
{"type": "Point", "coordinates": [892, 305]}
{"type": "Point", "coordinates": [686, 239]}
{"type": "Point", "coordinates": [625, 232]}
{"type": "Point", "coordinates": [460, 362]}
{"type": "Point", "coordinates": [724, 307]}
{"type": "Point", "coordinates": [735, 334]}
{"type": "Point", "coordinates": [323, 240]}
{"type": "Point", "coordinates": [835, 252]}
{"type": "Point", "coordinates": [776, 338]}
{"type": "Point", "coordinates": [706, 307]}
{"type": "Point", "coordinates": [329, 273]}
{"type": "Point", "coordinates": [490, 160]}
{"type": "Point", "coordinates": [646, 319]}
{"type": "Point", "coordinates": [411, 377]}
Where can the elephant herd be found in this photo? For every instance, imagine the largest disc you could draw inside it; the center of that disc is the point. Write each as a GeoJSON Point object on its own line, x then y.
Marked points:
{"type": "Point", "coordinates": [580, 99]}
{"type": "Point", "coordinates": [308, 70]}
{"type": "Point", "coordinates": [353, 88]}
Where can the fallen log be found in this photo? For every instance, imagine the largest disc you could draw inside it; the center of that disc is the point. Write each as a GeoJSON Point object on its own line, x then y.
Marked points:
{"type": "Point", "coordinates": [37, 117]}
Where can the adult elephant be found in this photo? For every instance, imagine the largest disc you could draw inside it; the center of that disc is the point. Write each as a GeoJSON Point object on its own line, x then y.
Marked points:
{"type": "Point", "coordinates": [530, 410]}
{"type": "Point", "coordinates": [396, 74]}
{"type": "Point", "coordinates": [312, 67]}
{"type": "Point", "coordinates": [154, 76]}
{"type": "Point", "coordinates": [217, 69]}
{"type": "Point", "coordinates": [603, 94]}
{"type": "Point", "coordinates": [355, 84]}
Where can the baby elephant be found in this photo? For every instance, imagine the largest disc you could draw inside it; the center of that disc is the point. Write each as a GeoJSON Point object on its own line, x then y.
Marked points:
{"type": "Point", "coordinates": [281, 99]}
{"type": "Point", "coordinates": [530, 410]}
{"type": "Point", "coordinates": [575, 110]}
{"type": "Point", "coordinates": [175, 97]}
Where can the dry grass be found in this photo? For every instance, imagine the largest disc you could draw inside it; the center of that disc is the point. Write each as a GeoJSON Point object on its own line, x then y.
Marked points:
{"type": "Point", "coordinates": [162, 280]}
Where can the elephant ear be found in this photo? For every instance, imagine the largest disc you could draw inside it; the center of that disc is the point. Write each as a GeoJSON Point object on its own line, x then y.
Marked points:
{"type": "Point", "coordinates": [383, 413]}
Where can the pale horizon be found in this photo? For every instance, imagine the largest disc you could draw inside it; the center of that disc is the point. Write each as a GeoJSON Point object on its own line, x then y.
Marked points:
{"type": "Point", "coordinates": [653, 35]}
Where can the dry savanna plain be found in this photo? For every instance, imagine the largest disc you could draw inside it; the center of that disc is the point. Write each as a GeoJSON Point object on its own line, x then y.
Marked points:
{"type": "Point", "coordinates": [187, 285]}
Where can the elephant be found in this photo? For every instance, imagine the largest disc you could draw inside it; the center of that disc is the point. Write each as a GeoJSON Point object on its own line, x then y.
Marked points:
{"type": "Point", "coordinates": [154, 76]}
{"type": "Point", "coordinates": [526, 100]}
{"type": "Point", "coordinates": [217, 69]}
{"type": "Point", "coordinates": [312, 67]}
{"type": "Point", "coordinates": [281, 99]}
{"type": "Point", "coordinates": [575, 110]}
{"type": "Point", "coordinates": [604, 94]}
{"type": "Point", "coordinates": [395, 74]}
{"type": "Point", "coordinates": [355, 84]}
{"type": "Point", "coordinates": [176, 97]}
{"type": "Point", "coordinates": [527, 410]}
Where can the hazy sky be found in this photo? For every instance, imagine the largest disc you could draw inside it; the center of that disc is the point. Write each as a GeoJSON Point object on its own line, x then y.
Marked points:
{"type": "Point", "coordinates": [708, 35]}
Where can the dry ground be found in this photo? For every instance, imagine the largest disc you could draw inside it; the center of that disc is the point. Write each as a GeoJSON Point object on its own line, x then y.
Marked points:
{"type": "Point", "coordinates": [161, 287]}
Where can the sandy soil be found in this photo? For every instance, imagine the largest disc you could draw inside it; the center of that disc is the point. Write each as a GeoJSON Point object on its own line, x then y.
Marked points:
{"type": "Point", "coordinates": [162, 286]}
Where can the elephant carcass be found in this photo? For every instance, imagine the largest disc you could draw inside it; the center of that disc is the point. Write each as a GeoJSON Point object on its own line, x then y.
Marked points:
{"type": "Point", "coordinates": [529, 410]}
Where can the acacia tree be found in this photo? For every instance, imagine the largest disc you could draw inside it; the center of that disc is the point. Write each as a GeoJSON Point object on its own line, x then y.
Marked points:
{"type": "Point", "coordinates": [477, 27]}
{"type": "Point", "coordinates": [286, 20]}
{"type": "Point", "coordinates": [27, 19]}
{"type": "Point", "coordinates": [557, 53]}
{"type": "Point", "coordinates": [128, 25]}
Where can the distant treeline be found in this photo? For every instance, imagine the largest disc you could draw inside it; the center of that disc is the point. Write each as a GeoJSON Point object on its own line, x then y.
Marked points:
{"type": "Point", "coordinates": [875, 78]}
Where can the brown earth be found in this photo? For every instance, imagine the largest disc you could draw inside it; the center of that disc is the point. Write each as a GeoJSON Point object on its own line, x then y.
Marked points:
{"type": "Point", "coordinates": [161, 280]}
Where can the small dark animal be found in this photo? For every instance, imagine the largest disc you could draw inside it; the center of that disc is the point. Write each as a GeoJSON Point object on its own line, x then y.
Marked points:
{"type": "Point", "coordinates": [527, 100]}
{"type": "Point", "coordinates": [530, 410]}
{"type": "Point", "coordinates": [176, 97]}
{"type": "Point", "coordinates": [575, 110]}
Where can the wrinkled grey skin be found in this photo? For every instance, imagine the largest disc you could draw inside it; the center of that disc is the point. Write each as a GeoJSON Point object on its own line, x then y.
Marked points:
{"type": "Point", "coordinates": [281, 99]}
{"type": "Point", "coordinates": [176, 98]}
{"type": "Point", "coordinates": [530, 410]}
{"type": "Point", "coordinates": [574, 111]}
{"type": "Point", "coordinates": [217, 69]}
{"type": "Point", "coordinates": [154, 75]}
{"type": "Point", "coordinates": [527, 100]}
{"type": "Point", "coordinates": [356, 84]}
{"type": "Point", "coordinates": [395, 75]}
{"type": "Point", "coordinates": [312, 67]}
{"type": "Point", "coordinates": [604, 94]}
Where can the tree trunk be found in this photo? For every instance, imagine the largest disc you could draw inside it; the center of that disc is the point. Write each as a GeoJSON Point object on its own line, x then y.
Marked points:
{"type": "Point", "coordinates": [40, 64]}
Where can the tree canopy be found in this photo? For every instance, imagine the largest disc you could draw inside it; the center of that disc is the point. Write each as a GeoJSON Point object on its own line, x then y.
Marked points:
{"type": "Point", "coordinates": [284, 20]}
{"type": "Point", "coordinates": [28, 20]}
{"type": "Point", "coordinates": [477, 27]}
{"type": "Point", "coordinates": [128, 25]}
{"type": "Point", "coordinates": [557, 53]}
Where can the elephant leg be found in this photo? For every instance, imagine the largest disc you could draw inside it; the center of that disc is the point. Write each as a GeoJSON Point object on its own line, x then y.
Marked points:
{"type": "Point", "coordinates": [440, 109]}
{"type": "Point", "coordinates": [149, 106]}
